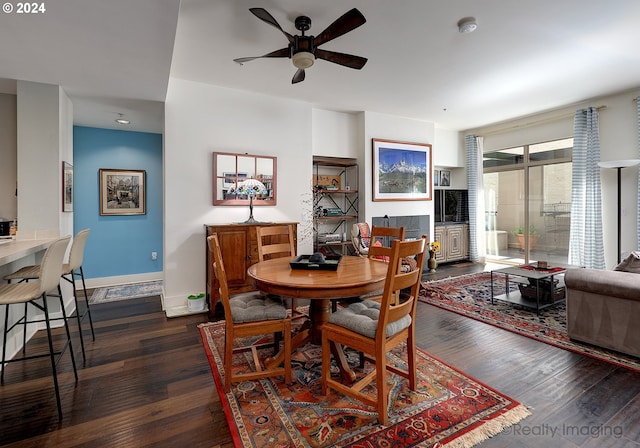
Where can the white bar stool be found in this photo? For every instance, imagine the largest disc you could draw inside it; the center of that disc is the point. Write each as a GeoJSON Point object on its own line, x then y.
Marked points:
{"type": "Point", "coordinates": [29, 293]}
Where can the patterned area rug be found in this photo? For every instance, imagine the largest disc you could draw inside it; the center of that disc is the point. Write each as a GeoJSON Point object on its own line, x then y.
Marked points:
{"type": "Point", "coordinates": [470, 295]}
{"type": "Point", "coordinates": [124, 292]}
{"type": "Point", "coordinates": [448, 409]}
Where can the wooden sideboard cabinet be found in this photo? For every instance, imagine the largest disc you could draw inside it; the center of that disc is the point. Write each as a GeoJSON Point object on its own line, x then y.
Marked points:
{"type": "Point", "coordinates": [239, 247]}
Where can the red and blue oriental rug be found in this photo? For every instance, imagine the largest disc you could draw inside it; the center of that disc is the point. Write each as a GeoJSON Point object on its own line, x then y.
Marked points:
{"type": "Point", "coordinates": [470, 296]}
{"type": "Point", "coordinates": [449, 409]}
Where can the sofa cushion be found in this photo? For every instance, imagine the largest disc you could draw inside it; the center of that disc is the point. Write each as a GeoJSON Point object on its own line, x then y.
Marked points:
{"type": "Point", "coordinates": [607, 283]}
{"type": "Point", "coordinates": [630, 264]}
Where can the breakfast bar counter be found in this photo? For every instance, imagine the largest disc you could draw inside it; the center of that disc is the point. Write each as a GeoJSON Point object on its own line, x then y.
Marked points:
{"type": "Point", "coordinates": [13, 250]}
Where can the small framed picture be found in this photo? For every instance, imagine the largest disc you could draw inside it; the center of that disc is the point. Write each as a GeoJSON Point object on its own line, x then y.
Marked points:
{"type": "Point", "coordinates": [436, 177]}
{"type": "Point", "coordinates": [122, 192]}
{"type": "Point", "coordinates": [67, 187]}
{"type": "Point", "coordinates": [230, 179]}
{"type": "Point", "coordinates": [445, 178]}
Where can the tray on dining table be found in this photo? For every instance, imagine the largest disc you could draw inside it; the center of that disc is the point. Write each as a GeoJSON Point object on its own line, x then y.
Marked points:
{"type": "Point", "coordinates": [330, 263]}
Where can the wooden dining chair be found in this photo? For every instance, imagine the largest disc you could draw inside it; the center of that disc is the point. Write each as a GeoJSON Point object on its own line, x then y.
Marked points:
{"type": "Point", "coordinates": [374, 328]}
{"type": "Point", "coordinates": [277, 242]}
{"type": "Point", "coordinates": [381, 239]}
{"type": "Point", "coordinates": [379, 247]}
{"type": "Point", "coordinates": [249, 314]}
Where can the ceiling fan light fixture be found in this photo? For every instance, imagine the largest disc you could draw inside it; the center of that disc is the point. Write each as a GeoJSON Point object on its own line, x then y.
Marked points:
{"type": "Point", "coordinates": [303, 59]}
{"type": "Point", "coordinates": [467, 25]}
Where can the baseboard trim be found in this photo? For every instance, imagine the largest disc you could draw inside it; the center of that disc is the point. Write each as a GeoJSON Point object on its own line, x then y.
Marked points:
{"type": "Point", "coordinates": [103, 282]}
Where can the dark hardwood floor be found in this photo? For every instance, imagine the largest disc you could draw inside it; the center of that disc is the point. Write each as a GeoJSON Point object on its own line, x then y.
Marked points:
{"type": "Point", "coordinates": [147, 382]}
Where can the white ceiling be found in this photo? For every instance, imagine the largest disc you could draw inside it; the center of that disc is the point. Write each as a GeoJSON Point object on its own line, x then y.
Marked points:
{"type": "Point", "coordinates": [115, 56]}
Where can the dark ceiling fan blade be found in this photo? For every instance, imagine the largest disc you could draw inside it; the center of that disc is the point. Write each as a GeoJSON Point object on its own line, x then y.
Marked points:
{"type": "Point", "coordinates": [264, 15]}
{"type": "Point", "coordinates": [348, 60]}
{"type": "Point", "coordinates": [281, 53]}
{"type": "Point", "coordinates": [343, 24]}
{"type": "Point", "coordinates": [298, 77]}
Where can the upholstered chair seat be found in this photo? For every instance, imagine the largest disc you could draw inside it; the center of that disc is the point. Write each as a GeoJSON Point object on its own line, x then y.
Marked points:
{"type": "Point", "coordinates": [254, 306]}
{"type": "Point", "coordinates": [362, 317]}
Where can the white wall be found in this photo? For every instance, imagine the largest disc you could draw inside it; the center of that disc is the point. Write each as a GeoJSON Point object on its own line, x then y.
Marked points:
{"type": "Point", "coordinates": [44, 132]}
{"type": "Point", "coordinates": [39, 159]}
{"type": "Point", "coordinates": [335, 134]}
{"type": "Point", "coordinates": [201, 119]}
{"type": "Point", "coordinates": [618, 140]}
{"type": "Point", "coordinates": [8, 153]}
{"type": "Point", "coordinates": [389, 127]}
{"type": "Point", "coordinates": [65, 146]}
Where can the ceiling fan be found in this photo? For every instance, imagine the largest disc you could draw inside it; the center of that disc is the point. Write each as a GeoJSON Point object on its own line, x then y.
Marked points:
{"type": "Point", "coordinates": [303, 50]}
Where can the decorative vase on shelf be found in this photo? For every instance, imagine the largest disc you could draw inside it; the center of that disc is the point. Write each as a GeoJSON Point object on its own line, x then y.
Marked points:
{"type": "Point", "coordinates": [431, 262]}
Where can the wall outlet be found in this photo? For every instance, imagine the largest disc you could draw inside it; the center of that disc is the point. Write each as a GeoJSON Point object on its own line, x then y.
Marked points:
{"type": "Point", "coordinates": [154, 255]}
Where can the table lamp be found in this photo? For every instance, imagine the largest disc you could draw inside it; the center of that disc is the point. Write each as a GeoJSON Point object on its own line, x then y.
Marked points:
{"type": "Point", "coordinates": [250, 187]}
{"type": "Point", "coordinates": [619, 164]}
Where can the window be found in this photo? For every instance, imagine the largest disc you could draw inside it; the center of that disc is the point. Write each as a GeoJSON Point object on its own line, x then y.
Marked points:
{"type": "Point", "coordinates": [528, 201]}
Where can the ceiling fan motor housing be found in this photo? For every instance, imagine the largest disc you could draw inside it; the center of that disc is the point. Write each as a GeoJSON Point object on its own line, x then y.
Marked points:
{"type": "Point", "coordinates": [303, 23]}
{"type": "Point", "coordinates": [302, 51]}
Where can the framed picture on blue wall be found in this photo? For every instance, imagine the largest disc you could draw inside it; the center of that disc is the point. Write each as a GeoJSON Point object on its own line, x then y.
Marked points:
{"type": "Point", "coordinates": [122, 192]}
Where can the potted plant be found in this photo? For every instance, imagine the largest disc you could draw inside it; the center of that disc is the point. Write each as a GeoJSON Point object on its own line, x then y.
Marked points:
{"type": "Point", "coordinates": [533, 236]}
{"type": "Point", "coordinates": [195, 302]}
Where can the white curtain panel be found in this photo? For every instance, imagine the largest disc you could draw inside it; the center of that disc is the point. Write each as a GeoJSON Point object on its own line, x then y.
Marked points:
{"type": "Point", "coordinates": [638, 214]}
{"type": "Point", "coordinates": [477, 247]}
{"type": "Point", "coordinates": [586, 242]}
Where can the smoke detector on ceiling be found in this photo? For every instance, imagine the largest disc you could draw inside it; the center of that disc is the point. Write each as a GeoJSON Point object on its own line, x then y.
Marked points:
{"type": "Point", "coordinates": [467, 25]}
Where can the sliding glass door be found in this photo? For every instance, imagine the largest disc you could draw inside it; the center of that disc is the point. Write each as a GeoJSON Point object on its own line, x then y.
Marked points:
{"type": "Point", "coordinates": [528, 202]}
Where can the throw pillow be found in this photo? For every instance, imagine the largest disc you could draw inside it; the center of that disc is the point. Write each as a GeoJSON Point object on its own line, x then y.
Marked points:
{"type": "Point", "coordinates": [380, 257]}
{"type": "Point", "coordinates": [630, 264]}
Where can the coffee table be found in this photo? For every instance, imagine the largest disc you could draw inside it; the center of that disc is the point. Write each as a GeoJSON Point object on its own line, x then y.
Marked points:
{"type": "Point", "coordinates": [542, 280]}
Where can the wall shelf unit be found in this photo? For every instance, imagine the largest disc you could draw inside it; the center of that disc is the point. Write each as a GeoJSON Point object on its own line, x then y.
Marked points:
{"type": "Point", "coordinates": [335, 204]}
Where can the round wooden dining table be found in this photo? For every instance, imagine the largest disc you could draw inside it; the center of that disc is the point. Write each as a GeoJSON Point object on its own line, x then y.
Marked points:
{"type": "Point", "coordinates": [354, 277]}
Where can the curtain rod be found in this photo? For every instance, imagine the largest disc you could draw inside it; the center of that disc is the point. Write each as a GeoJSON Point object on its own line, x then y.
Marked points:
{"type": "Point", "coordinates": [532, 123]}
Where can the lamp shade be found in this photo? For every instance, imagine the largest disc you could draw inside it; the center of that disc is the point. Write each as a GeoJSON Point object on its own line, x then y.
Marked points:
{"type": "Point", "coordinates": [619, 163]}
{"type": "Point", "coordinates": [250, 187]}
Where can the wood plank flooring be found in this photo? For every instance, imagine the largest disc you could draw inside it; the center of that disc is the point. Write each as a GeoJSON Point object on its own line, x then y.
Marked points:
{"type": "Point", "coordinates": [147, 382]}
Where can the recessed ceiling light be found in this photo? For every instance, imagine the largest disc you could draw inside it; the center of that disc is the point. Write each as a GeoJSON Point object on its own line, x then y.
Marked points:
{"type": "Point", "coordinates": [121, 119]}
{"type": "Point", "coordinates": [467, 25]}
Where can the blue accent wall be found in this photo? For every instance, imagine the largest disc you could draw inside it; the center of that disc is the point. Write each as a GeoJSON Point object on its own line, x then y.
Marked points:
{"type": "Point", "coordinates": [117, 245]}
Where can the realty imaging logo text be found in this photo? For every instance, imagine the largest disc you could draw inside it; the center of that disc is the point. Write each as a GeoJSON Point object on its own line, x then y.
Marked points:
{"type": "Point", "coordinates": [594, 431]}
